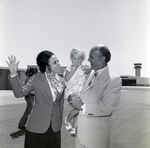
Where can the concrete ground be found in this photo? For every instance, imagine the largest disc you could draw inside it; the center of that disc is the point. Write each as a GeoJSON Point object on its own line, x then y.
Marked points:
{"type": "Point", "coordinates": [130, 127]}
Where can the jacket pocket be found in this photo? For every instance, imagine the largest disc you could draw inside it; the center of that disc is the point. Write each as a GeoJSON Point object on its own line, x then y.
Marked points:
{"type": "Point", "coordinates": [38, 117]}
{"type": "Point", "coordinates": [36, 122]}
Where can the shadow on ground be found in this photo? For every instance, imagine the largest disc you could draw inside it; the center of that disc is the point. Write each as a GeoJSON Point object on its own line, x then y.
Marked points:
{"type": "Point", "coordinates": [18, 133]}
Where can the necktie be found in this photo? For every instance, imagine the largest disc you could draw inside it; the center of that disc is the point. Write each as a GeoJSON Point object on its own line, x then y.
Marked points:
{"type": "Point", "coordinates": [95, 73]}
{"type": "Point", "coordinates": [93, 77]}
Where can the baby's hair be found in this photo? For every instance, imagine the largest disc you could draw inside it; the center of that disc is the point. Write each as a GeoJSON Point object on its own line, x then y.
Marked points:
{"type": "Point", "coordinates": [78, 51]}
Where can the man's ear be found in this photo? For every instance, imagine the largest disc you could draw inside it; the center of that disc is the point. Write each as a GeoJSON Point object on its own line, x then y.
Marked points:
{"type": "Point", "coordinates": [104, 58]}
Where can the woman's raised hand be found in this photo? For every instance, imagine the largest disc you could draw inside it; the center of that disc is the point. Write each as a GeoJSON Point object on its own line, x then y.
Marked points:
{"type": "Point", "coordinates": [13, 64]}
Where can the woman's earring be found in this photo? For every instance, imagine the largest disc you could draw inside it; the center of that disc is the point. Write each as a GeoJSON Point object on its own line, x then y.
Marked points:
{"type": "Point", "coordinates": [48, 67]}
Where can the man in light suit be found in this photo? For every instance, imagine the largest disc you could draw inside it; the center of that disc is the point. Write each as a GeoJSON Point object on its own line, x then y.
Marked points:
{"type": "Point", "coordinates": [100, 97]}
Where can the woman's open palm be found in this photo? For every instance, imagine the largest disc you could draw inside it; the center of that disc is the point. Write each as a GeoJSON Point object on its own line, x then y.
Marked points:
{"type": "Point", "coordinates": [13, 64]}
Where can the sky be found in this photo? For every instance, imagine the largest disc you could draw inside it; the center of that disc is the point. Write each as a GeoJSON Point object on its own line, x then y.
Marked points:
{"type": "Point", "coordinates": [28, 27]}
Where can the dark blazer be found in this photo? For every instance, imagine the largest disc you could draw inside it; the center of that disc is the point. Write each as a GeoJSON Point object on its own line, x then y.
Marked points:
{"type": "Point", "coordinates": [45, 111]}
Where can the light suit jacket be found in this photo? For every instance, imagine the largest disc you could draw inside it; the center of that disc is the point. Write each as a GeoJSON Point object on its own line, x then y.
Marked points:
{"type": "Point", "coordinates": [101, 99]}
{"type": "Point", "coordinates": [45, 111]}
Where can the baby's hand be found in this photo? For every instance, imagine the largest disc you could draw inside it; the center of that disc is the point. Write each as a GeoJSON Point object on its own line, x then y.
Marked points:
{"type": "Point", "coordinates": [86, 69]}
{"type": "Point", "coordinates": [74, 67]}
{"type": "Point", "coordinates": [77, 103]}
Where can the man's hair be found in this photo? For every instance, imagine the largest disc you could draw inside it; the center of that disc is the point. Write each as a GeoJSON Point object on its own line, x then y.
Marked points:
{"type": "Point", "coordinates": [104, 50]}
{"type": "Point", "coordinates": [31, 71]}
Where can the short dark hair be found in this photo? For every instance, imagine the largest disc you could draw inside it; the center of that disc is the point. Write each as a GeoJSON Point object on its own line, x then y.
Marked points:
{"type": "Point", "coordinates": [31, 71]}
{"type": "Point", "coordinates": [104, 50]}
{"type": "Point", "coordinates": [42, 59]}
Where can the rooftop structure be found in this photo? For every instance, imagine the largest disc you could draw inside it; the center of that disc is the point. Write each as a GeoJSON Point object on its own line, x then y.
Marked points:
{"type": "Point", "coordinates": [137, 67]}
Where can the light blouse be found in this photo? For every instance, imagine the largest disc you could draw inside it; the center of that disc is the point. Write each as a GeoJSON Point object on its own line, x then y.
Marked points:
{"type": "Point", "coordinates": [75, 84]}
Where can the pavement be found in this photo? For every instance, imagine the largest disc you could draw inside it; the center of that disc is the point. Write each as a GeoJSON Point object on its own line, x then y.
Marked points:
{"type": "Point", "coordinates": [130, 127]}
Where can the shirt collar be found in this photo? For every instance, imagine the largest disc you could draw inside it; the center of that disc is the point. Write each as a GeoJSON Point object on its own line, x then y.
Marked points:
{"type": "Point", "coordinates": [56, 76]}
{"type": "Point", "coordinates": [100, 70]}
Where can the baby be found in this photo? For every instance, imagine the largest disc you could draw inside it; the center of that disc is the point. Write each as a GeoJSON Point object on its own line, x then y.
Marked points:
{"type": "Point", "coordinates": [75, 77]}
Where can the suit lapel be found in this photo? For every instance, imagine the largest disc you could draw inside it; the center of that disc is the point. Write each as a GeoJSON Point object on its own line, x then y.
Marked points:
{"type": "Point", "coordinates": [87, 82]}
{"type": "Point", "coordinates": [100, 79]}
{"type": "Point", "coordinates": [45, 85]}
{"type": "Point", "coordinates": [58, 97]}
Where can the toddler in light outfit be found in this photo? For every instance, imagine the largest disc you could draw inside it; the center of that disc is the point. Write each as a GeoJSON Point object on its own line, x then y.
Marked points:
{"type": "Point", "coordinates": [75, 77]}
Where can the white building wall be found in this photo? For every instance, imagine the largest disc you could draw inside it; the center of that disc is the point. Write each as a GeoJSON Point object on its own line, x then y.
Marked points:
{"type": "Point", "coordinates": [142, 81]}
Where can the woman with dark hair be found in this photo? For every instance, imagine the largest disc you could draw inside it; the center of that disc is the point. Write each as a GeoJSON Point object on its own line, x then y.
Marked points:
{"type": "Point", "coordinates": [43, 129]}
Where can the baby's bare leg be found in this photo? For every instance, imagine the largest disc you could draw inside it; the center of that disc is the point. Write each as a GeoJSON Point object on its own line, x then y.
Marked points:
{"type": "Point", "coordinates": [72, 114]}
